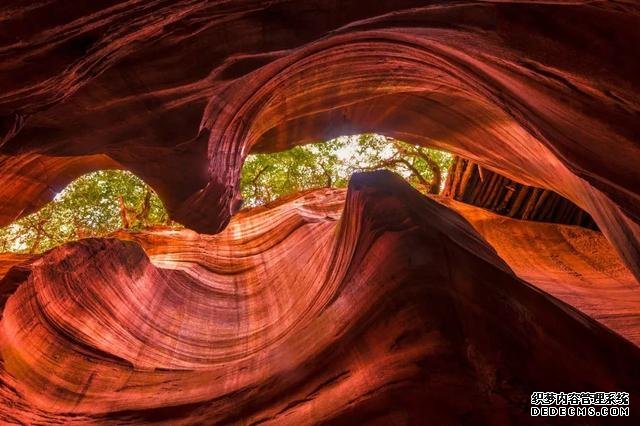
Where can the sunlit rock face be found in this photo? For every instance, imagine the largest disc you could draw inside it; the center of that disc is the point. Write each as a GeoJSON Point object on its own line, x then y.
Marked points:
{"type": "Point", "coordinates": [544, 92]}
{"type": "Point", "coordinates": [393, 310]}
{"type": "Point", "coordinates": [380, 305]}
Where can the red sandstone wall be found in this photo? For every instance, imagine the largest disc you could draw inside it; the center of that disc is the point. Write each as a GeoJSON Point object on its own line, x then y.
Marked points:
{"type": "Point", "coordinates": [400, 311]}
{"type": "Point", "coordinates": [180, 93]}
{"type": "Point", "coordinates": [397, 310]}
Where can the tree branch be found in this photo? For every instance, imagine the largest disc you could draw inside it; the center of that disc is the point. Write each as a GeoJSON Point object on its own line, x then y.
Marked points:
{"type": "Point", "coordinates": [434, 185]}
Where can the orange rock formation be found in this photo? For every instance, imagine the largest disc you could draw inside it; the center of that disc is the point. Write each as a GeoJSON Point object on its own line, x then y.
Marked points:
{"type": "Point", "coordinates": [395, 309]}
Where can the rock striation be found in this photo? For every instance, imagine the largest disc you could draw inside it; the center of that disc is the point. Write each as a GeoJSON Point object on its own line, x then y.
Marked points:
{"type": "Point", "coordinates": [544, 92]}
{"type": "Point", "coordinates": [300, 313]}
{"type": "Point", "coordinates": [471, 184]}
{"type": "Point", "coordinates": [377, 304]}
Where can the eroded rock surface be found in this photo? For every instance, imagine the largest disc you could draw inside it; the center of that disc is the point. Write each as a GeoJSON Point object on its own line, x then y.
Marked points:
{"type": "Point", "coordinates": [544, 92]}
{"type": "Point", "coordinates": [303, 312]}
{"type": "Point", "coordinates": [471, 184]}
{"type": "Point", "coordinates": [298, 314]}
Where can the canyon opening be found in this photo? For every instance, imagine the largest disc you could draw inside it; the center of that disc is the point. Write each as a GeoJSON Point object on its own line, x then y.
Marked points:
{"type": "Point", "coordinates": [319, 212]}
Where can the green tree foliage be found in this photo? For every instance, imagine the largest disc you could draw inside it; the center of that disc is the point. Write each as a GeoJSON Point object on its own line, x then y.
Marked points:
{"type": "Point", "coordinates": [424, 168]}
{"type": "Point", "coordinates": [93, 205]}
{"type": "Point", "coordinates": [99, 203]}
{"type": "Point", "coordinates": [266, 177]}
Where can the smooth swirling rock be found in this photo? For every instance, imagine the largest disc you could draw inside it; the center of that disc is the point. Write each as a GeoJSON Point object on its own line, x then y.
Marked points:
{"type": "Point", "coordinates": [379, 305]}
{"type": "Point", "coordinates": [545, 92]}
{"type": "Point", "coordinates": [317, 309]}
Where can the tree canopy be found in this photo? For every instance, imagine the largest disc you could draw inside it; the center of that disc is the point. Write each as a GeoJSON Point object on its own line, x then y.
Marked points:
{"type": "Point", "coordinates": [102, 202]}
{"type": "Point", "coordinates": [93, 205]}
{"type": "Point", "coordinates": [266, 177]}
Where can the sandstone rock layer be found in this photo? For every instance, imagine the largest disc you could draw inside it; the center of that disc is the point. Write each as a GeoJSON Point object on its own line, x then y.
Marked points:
{"type": "Point", "coordinates": [381, 306]}
{"type": "Point", "coordinates": [545, 92]}
{"type": "Point", "coordinates": [299, 313]}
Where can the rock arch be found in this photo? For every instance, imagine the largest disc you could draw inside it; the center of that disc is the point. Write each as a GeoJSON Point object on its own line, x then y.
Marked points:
{"type": "Point", "coordinates": [401, 295]}
{"type": "Point", "coordinates": [527, 89]}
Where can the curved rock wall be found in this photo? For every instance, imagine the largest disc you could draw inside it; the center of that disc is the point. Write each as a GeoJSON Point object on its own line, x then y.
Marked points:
{"type": "Point", "coordinates": [305, 311]}
{"type": "Point", "coordinates": [298, 314]}
{"type": "Point", "coordinates": [544, 92]}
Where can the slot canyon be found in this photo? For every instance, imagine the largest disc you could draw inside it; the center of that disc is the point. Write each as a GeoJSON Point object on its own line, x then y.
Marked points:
{"type": "Point", "coordinates": [371, 304]}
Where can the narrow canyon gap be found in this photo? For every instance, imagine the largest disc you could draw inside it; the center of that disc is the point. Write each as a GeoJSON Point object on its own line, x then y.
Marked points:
{"type": "Point", "coordinates": [375, 303]}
